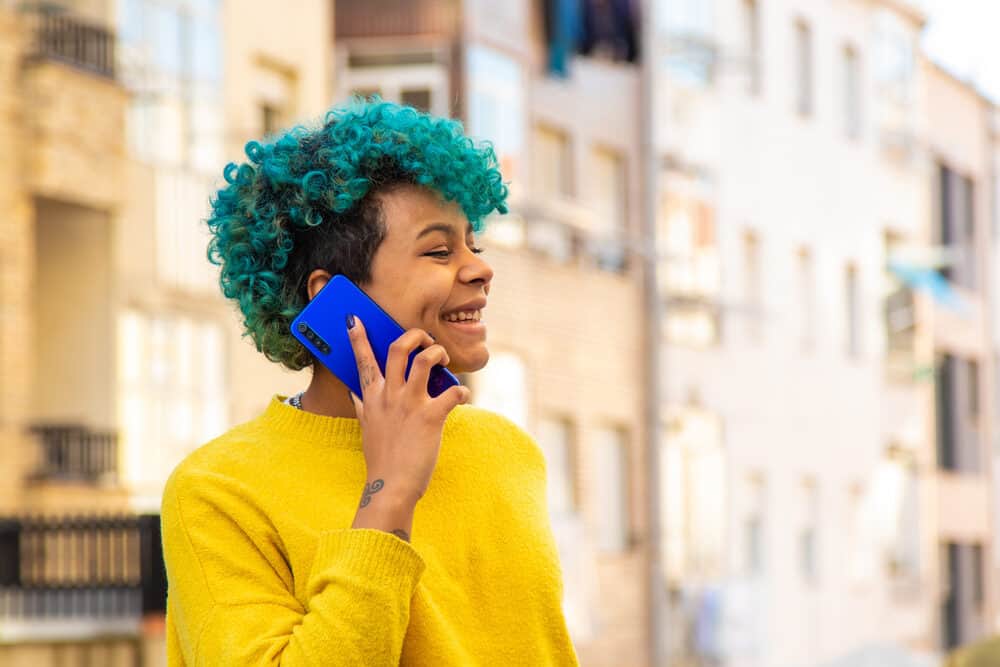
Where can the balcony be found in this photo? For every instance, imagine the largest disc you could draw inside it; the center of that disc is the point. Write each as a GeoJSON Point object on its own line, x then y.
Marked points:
{"type": "Point", "coordinates": [74, 111]}
{"type": "Point", "coordinates": [62, 37]}
{"type": "Point", "coordinates": [79, 576]}
{"type": "Point", "coordinates": [396, 18]}
{"type": "Point", "coordinates": [74, 453]}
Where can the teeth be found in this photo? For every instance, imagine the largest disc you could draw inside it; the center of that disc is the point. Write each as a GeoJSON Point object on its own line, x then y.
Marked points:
{"type": "Point", "coordinates": [463, 316]}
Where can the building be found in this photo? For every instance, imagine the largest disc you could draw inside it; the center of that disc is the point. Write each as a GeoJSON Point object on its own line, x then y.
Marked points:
{"type": "Point", "coordinates": [565, 319]}
{"type": "Point", "coordinates": [962, 145]}
{"type": "Point", "coordinates": [809, 384]}
{"type": "Point", "coordinates": [120, 353]}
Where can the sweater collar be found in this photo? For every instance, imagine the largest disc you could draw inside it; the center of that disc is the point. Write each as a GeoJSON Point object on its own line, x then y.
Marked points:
{"type": "Point", "coordinates": [344, 432]}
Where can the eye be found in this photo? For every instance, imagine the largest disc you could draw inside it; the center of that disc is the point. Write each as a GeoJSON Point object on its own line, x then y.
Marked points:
{"type": "Point", "coordinates": [445, 253]}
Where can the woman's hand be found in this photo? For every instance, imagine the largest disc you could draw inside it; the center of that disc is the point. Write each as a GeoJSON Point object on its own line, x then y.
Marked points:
{"type": "Point", "coordinates": [401, 424]}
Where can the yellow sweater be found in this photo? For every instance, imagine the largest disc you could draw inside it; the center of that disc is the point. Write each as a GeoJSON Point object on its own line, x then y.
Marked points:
{"type": "Point", "coordinates": [264, 569]}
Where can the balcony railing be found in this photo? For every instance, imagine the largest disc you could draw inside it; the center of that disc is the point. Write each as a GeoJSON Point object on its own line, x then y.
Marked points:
{"type": "Point", "coordinates": [76, 453]}
{"type": "Point", "coordinates": [66, 38]}
{"type": "Point", "coordinates": [108, 567]}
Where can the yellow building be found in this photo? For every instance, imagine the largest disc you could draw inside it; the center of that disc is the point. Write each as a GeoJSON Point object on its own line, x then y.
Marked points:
{"type": "Point", "coordinates": [119, 353]}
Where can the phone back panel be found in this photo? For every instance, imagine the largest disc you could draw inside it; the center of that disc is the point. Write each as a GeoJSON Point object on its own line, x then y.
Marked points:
{"type": "Point", "coordinates": [322, 328]}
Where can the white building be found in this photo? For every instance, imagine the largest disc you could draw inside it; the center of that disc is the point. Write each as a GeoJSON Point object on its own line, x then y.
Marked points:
{"type": "Point", "coordinates": [800, 463]}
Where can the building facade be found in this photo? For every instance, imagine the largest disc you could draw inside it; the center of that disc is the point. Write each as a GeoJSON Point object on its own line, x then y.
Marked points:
{"type": "Point", "coordinates": [810, 393]}
{"type": "Point", "coordinates": [565, 313]}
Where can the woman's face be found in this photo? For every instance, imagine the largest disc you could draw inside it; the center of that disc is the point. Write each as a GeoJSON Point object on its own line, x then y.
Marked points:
{"type": "Point", "coordinates": [426, 275]}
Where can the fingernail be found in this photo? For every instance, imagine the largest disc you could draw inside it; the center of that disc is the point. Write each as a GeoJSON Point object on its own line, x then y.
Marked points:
{"type": "Point", "coordinates": [350, 321]}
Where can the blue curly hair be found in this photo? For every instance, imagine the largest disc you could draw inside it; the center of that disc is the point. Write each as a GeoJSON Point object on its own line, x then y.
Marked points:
{"type": "Point", "coordinates": [309, 199]}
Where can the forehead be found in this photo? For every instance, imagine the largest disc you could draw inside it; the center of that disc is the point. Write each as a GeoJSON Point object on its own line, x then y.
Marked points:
{"type": "Point", "coordinates": [409, 210]}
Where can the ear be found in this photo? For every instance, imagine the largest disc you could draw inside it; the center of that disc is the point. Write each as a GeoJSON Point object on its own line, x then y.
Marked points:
{"type": "Point", "coordinates": [317, 280]}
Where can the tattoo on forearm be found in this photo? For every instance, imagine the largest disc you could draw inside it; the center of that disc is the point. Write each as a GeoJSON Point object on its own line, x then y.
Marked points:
{"type": "Point", "coordinates": [374, 487]}
{"type": "Point", "coordinates": [401, 534]}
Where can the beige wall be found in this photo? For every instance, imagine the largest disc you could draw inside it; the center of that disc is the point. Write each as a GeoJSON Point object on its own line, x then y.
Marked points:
{"type": "Point", "coordinates": [294, 38]}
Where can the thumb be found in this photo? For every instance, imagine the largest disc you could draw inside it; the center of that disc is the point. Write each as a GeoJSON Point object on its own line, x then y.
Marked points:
{"type": "Point", "coordinates": [455, 396]}
{"type": "Point", "coordinates": [359, 407]}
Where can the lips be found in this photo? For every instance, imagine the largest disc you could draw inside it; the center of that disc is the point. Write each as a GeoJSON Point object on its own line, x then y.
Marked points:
{"type": "Point", "coordinates": [469, 306]}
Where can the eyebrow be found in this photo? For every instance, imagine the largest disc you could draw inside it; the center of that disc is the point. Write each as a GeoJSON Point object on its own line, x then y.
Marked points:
{"type": "Point", "coordinates": [441, 227]}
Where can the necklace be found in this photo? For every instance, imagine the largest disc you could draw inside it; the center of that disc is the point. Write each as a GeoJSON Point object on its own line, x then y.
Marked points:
{"type": "Point", "coordinates": [296, 400]}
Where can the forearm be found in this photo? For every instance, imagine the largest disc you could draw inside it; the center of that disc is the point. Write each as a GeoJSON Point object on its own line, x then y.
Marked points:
{"type": "Point", "coordinates": [382, 508]}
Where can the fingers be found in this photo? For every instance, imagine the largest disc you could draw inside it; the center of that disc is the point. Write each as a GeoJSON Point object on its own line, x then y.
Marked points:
{"type": "Point", "coordinates": [399, 355]}
{"type": "Point", "coordinates": [368, 370]}
{"type": "Point", "coordinates": [359, 407]}
{"type": "Point", "coordinates": [457, 395]}
{"type": "Point", "coordinates": [420, 371]}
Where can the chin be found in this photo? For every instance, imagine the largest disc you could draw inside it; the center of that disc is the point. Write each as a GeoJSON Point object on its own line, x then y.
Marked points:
{"type": "Point", "coordinates": [471, 363]}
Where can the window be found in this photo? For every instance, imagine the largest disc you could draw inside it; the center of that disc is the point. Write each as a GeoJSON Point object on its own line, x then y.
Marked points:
{"type": "Point", "coordinates": [807, 301]}
{"type": "Point", "coordinates": [894, 57]}
{"type": "Point", "coordinates": [957, 225]}
{"type": "Point", "coordinates": [899, 315]}
{"type": "Point", "coordinates": [607, 189]}
{"type": "Point", "coordinates": [808, 551]}
{"type": "Point", "coordinates": [551, 168]}
{"type": "Point", "coordinates": [852, 304]}
{"type": "Point", "coordinates": [274, 89]}
{"type": "Point", "coordinates": [269, 123]}
{"type": "Point", "coordinates": [611, 466]}
{"type": "Point", "coordinates": [752, 287]}
{"type": "Point", "coordinates": [418, 98]}
{"type": "Point", "coordinates": [496, 88]}
{"type": "Point", "coordinates": [608, 197]}
{"type": "Point", "coordinates": [972, 377]}
{"type": "Point", "coordinates": [171, 63]}
{"type": "Point", "coordinates": [852, 93]}
{"type": "Point", "coordinates": [804, 69]}
{"type": "Point", "coordinates": [695, 497]}
{"type": "Point", "coordinates": [958, 405]}
{"type": "Point", "coordinates": [944, 390]}
{"type": "Point", "coordinates": [172, 394]}
{"type": "Point", "coordinates": [556, 442]}
{"type": "Point", "coordinates": [415, 77]}
{"type": "Point", "coordinates": [691, 279]}
{"type": "Point", "coordinates": [688, 26]}
{"type": "Point", "coordinates": [751, 31]}
{"type": "Point", "coordinates": [754, 526]}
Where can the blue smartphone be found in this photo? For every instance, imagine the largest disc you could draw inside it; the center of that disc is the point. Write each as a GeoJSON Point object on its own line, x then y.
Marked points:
{"type": "Point", "coordinates": [322, 328]}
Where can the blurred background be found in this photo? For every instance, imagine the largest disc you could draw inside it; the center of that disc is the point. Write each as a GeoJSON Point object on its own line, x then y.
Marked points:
{"type": "Point", "coordinates": [745, 301]}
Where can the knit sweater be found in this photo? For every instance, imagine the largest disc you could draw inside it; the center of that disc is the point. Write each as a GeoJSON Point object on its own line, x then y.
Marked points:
{"type": "Point", "coordinates": [263, 567]}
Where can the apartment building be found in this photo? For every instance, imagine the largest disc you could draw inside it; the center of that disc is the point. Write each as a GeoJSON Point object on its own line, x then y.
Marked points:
{"type": "Point", "coordinates": [120, 354]}
{"type": "Point", "coordinates": [565, 308]}
{"type": "Point", "coordinates": [808, 385]}
{"type": "Point", "coordinates": [961, 139]}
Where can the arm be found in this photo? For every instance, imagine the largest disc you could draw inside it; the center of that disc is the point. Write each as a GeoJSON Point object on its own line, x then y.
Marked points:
{"type": "Point", "coordinates": [230, 588]}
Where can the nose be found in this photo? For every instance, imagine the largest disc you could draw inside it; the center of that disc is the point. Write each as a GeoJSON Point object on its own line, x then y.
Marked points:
{"type": "Point", "coordinates": [476, 270]}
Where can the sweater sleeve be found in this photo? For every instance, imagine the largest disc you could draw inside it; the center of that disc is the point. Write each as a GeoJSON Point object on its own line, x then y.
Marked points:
{"type": "Point", "coordinates": [230, 586]}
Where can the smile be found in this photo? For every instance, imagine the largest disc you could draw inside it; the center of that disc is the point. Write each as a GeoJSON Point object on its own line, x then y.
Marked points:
{"type": "Point", "coordinates": [464, 316]}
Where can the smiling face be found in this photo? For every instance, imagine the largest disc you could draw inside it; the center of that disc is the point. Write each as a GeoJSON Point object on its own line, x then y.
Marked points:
{"type": "Point", "coordinates": [427, 274]}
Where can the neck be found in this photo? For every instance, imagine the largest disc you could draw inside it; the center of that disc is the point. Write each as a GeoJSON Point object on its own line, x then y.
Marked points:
{"type": "Point", "coordinates": [327, 395]}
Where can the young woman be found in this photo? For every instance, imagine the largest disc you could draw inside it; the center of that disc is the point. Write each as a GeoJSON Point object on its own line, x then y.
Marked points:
{"type": "Point", "coordinates": [384, 529]}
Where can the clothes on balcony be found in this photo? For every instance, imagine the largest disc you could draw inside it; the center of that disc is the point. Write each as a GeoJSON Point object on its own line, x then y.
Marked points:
{"type": "Point", "coordinates": [263, 567]}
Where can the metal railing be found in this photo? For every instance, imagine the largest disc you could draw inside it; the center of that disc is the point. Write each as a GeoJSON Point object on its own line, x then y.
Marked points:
{"type": "Point", "coordinates": [76, 453]}
{"type": "Point", "coordinates": [66, 38]}
{"type": "Point", "coordinates": [96, 567]}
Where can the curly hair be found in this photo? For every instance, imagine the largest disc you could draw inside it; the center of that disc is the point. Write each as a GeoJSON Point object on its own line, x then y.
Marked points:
{"type": "Point", "coordinates": [309, 199]}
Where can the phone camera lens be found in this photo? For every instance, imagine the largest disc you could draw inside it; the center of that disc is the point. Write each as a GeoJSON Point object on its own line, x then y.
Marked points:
{"type": "Point", "coordinates": [304, 328]}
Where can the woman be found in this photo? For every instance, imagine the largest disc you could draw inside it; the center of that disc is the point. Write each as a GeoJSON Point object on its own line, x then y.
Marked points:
{"type": "Point", "coordinates": [385, 529]}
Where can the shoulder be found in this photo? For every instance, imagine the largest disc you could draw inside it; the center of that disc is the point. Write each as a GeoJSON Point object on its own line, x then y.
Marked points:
{"type": "Point", "coordinates": [226, 457]}
{"type": "Point", "coordinates": [493, 429]}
